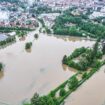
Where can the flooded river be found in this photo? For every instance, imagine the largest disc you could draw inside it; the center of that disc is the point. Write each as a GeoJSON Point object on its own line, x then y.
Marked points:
{"type": "Point", "coordinates": [92, 92]}
{"type": "Point", "coordinates": [39, 70]}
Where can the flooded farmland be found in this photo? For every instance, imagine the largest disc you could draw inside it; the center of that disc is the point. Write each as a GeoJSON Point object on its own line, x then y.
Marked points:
{"type": "Point", "coordinates": [38, 70]}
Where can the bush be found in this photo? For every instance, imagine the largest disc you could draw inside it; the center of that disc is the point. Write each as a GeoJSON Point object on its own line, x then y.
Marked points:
{"type": "Point", "coordinates": [96, 64]}
{"type": "Point", "coordinates": [36, 36]}
{"type": "Point", "coordinates": [48, 30]}
{"type": "Point", "coordinates": [35, 100]}
{"type": "Point", "coordinates": [72, 83]}
{"type": "Point", "coordinates": [8, 40]}
{"type": "Point", "coordinates": [84, 75]}
{"type": "Point", "coordinates": [28, 45]}
{"type": "Point", "coordinates": [64, 61]}
{"type": "Point", "coordinates": [62, 92]}
{"type": "Point", "coordinates": [43, 100]}
{"type": "Point", "coordinates": [77, 52]}
{"type": "Point", "coordinates": [1, 66]}
{"type": "Point", "coordinates": [99, 54]}
{"type": "Point", "coordinates": [52, 93]}
{"type": "Point", "coordinates": [21, 33]}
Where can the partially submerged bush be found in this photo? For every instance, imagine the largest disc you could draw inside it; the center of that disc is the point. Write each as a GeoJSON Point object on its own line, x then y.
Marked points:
{"type": "Point", "coordinates": [28, 45]}
{"type": "Point", "coordinates": [36, 36]}
{"type": "Point", "coordinates": [62, 92]}
{"type": "Point", "coordinates": [1, 66]}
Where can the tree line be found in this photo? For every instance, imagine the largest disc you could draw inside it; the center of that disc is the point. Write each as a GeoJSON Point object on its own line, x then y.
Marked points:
{"type": "Point", "coordinates": [81, 26]}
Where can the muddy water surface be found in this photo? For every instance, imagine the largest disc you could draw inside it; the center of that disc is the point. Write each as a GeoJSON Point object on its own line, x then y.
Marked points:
{"type": "Point", "coordinates": [39, 70]}
{"type": "Point", "coordinates": [92, 92]}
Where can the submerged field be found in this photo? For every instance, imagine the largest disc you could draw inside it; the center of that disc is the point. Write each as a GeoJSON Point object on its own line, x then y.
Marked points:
{"type": "Point", "coordinates": [38, 70]}
{"type": "Point", "coordinates": [91, 92]}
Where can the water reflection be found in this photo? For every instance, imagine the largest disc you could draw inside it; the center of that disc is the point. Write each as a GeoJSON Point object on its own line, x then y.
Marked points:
{"type": "Point", "coordinates": [29, 50]}
{"type": "Point", "coordinates": [22, 38]}
{"type": "Point", "coordinates": [72, 38]}
{"type": "Point", "coordinates": [66, 68]}
{"type": "Point", "coordinates": [68, 38]}
{"type": "Point", "coordinates": [42, 70]}
{"type": "Point", "coordinates": [1, 74]}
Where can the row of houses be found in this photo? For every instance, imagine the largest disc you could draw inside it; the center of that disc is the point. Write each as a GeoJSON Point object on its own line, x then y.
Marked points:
{"type": "Point", "coordinates": [16, 18]}
{"type": "Point", "coordinates": [19, 20]}
{"type": "Point", "coordinates": [64, 4]}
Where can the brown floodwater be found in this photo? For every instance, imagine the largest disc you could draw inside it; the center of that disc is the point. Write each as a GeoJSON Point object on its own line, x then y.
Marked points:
{"type": "Point", "coordinates": [39, 70]}
{"type": "Point", "coordinates": [92, 92]}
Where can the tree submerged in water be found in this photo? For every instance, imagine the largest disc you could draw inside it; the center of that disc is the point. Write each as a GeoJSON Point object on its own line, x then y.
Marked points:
{"type": "Point", "coordinates": [28, 45]}
{"type": "Point", "coordinates": [1, 66]}
{"type": "Point", "coordinates": [36, 36]}
{"type": "Point", "coordinates": [43, 100]}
